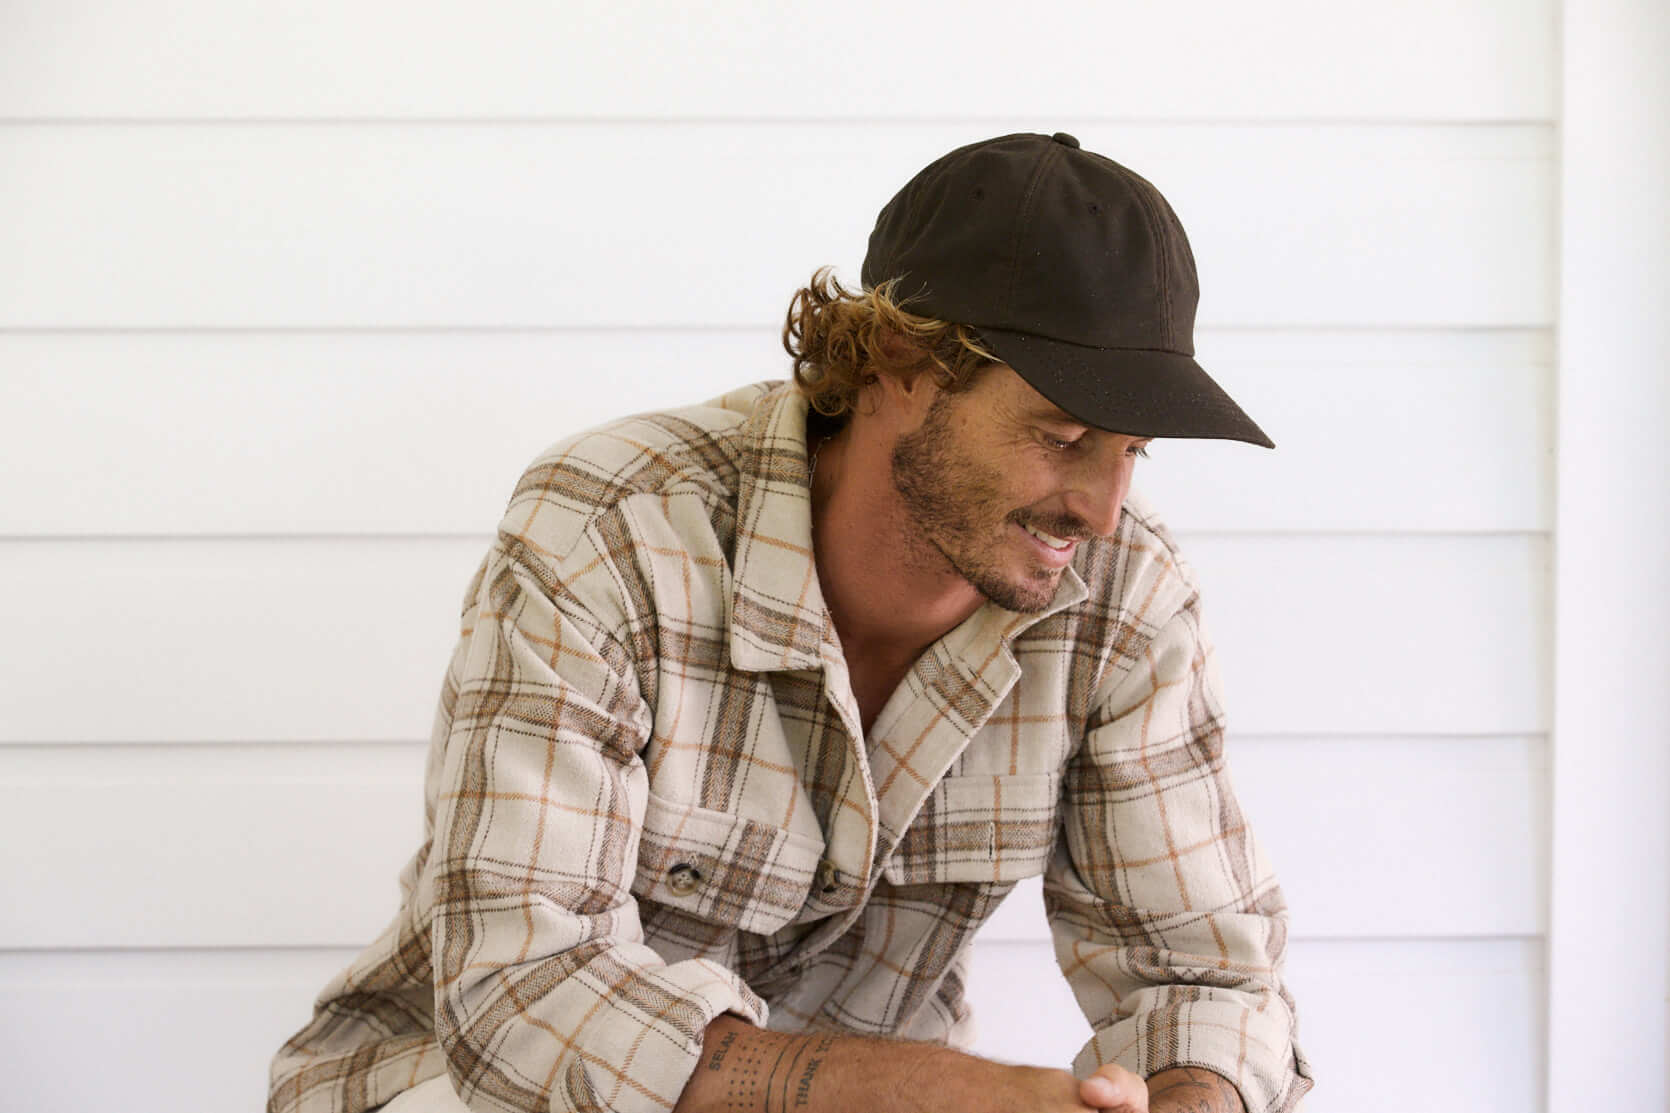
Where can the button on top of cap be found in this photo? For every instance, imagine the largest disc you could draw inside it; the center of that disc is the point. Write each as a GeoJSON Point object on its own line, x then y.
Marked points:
{"type": "Point", "coordinates": [1064, 139]}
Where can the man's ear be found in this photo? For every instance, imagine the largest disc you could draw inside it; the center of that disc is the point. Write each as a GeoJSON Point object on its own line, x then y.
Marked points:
{"type": "Point", "coordinates": [900, 387]}
{"type": "Point", "coordinates": [902, 396]}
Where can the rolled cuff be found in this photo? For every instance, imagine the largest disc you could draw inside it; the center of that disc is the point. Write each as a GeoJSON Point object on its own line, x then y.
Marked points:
{"type": "Point", "coordinates": [644, 1041]}
{"type": "Point", "coordinates": [622, 1032]}
{"type": "Point", "coordinates": [1253, 1050]}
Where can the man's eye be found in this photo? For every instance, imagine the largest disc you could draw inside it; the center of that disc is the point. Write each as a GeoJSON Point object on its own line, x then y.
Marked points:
{"type": "Point", "coordinates": [1138, 450]}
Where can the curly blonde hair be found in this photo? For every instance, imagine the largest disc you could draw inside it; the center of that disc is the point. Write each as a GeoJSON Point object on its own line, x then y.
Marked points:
{"type": "Point", "coordinates": [843, 340]}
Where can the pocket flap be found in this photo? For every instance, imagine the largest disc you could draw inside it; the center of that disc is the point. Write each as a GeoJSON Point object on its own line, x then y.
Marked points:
{"type": "Point", "coordinates": [979, 828]}
{"type": "Point", "coordinates": [724, 868]}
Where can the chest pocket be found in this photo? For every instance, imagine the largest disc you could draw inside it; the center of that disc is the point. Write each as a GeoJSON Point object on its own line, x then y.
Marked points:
{"type": "Point", "coordinates": [979, 828]}
{"type": "Point", "coordinates": [723, 868]}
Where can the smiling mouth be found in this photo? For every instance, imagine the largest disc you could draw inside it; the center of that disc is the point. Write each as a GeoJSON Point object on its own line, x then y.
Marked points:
{"type": "Point", "coordinates": [1059, 544]}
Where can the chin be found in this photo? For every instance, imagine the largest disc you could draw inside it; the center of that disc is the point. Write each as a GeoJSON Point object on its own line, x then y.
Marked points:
{"type": "Point", "coordinates": [1025, 595]}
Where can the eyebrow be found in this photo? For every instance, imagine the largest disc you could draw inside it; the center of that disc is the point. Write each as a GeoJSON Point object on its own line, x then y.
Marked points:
{"type": "Point", "coordinates": [1057, 414]}
{"type": "Point", "coordinates": [1051, 412]}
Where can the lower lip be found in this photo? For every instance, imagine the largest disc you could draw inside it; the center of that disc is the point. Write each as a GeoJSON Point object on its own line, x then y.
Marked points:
{"type": "Point", "coordinates": [1056, 557]}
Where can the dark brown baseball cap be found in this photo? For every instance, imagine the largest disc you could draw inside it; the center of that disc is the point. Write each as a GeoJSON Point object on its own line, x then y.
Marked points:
{"type": "Point", "coordinates": [1074, 271]}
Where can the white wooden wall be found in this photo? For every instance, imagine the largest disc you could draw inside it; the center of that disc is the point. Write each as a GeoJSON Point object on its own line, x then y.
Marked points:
{"type": "Point", "coordinates": [290, 293]}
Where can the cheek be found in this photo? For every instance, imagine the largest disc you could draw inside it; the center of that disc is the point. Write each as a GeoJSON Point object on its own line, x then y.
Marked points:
{"type": "Point", "coordinates": [1052, 477]}
{"type": "Point", "coordinates": [1025, 483]}
{"type": "Point", "coordinates": [1125, 477]}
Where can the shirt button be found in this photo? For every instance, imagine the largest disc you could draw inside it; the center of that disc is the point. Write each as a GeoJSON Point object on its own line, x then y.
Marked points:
{"type": "Point", "coordinates": [683, 879]}
{"type": "Point", "coordinates": [829, 878]}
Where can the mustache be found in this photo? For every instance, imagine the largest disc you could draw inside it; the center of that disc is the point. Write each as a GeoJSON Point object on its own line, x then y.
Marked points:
{"type": "Point", "coordinates": [1068, 527]}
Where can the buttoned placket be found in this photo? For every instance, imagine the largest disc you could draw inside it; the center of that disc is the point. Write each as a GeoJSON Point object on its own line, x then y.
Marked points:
{"type": "Point", "coordinates": [949, 694]}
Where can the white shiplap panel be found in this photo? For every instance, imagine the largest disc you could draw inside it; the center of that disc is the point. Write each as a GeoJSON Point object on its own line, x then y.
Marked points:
{"type": "Point", "coordinates": [1374, 431]}
{"type": "Point", "coordinates": [1402, 837]}
{"type": "Point", "coordinates": [1424, 59]}
{"type": "Point", "coordinates": [1381, 635]}
{"type": "Point", "coordinates": [207, 846]}
{"type": "Point", "coordinates": [152, 1031]}
{"type": "Point", "coordinates": [1443, 1026]}
{"type": "Point", "coordinates": [1609, 1030]}
{"type": "Point", "coordinates": [1394, 837]}
{"type": "Point", "coordinates": [415, 432]}
{"type": "Point", "coordinates": [167, 641]}
{"type": "Point", "coordinates": [712, 225]}
{"type": "Point", "coordinates": [193, 1031]}
{"type": "Point", "coordinates": [269, 845]}
{"type": "Point", "coordinates": [1024, 1010]}
{"type": "Point", "coordinates": [1440, 1025]}
{"type": "Point", "coordinates": [347, 639]}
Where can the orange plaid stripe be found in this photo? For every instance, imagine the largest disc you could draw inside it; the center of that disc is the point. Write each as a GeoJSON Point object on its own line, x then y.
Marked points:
{"type": "Point", "coordinates": [648, 803]}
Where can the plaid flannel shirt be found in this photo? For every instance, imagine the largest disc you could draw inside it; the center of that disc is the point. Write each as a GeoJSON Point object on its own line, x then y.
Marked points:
{"type": "Point", "coordinates": [649, 801]}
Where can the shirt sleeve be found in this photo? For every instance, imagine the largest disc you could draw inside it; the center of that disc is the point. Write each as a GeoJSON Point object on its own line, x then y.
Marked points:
{"type": "Point", "coordinates": [1167, 921]}
{"type": "Point", "coordinates": [546, 996]}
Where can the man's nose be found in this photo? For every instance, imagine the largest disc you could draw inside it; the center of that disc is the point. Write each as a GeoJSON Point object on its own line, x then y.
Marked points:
{"type": "Point", "coordinates": [1098, 496]}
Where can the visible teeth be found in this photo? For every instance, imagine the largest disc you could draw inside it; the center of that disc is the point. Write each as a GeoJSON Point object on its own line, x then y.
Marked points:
{"type": "Point", "coordinates": [1049, 539]}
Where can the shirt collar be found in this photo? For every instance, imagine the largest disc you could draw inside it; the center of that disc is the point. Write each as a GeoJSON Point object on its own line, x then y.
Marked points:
{"type": "Point", "coordinates": [778, 617]}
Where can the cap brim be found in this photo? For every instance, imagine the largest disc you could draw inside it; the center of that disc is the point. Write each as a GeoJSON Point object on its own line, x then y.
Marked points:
{"type": "Point", "coordinates": [1136, 392]}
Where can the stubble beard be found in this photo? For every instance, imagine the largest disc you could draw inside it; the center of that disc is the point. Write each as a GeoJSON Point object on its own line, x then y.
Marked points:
{"type": "Point", "coordinates": [956, 506]}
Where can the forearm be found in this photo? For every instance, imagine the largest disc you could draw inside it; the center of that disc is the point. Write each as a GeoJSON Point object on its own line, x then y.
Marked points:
{"type": "Point", "coordinates": [744, 1069]}
{"type": "Point", "coordinates": [1192, 1090]}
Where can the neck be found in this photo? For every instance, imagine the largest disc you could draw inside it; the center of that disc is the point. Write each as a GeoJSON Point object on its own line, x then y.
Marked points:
{"type": "Point", "coordinates": [889, 592]}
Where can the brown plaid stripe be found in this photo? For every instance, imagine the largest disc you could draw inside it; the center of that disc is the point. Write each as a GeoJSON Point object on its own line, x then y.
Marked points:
{"type": "Point", "coordinates": [979, 828]}
{"type": "Point", "coordinates": [743, 872]}
{"type": "Point", "coordinates": [648, 803]}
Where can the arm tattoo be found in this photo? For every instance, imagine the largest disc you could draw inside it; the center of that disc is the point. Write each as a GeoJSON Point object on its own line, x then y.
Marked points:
{"type": "Point", "coordinates": [718, 1059]}
{"type": "Point", "coordinates": [1193, 1090]}
{"type": "Point", "coordinates": [774, 1077]}
{"type": "Point", "coordinates": [812, 1062]}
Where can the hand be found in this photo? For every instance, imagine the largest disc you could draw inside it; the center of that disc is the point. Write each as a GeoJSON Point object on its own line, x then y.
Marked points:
{"type": "Point", "coordinates": [1193, 1090]}
{"type": "Point", "coordinates": [1002, 1088]}
{"type": "Point", "coordinates": [991, 1087]}
{"type": "Point", "coordinates": [1115, 1089]}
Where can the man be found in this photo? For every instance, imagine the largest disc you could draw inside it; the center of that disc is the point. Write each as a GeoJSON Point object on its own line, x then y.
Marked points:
{"type": "Point", "coordinates": [760, 708]}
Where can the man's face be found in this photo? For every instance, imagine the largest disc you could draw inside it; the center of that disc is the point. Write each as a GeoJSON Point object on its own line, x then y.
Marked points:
{"type": "Point", "coordinates": [1003, 485]}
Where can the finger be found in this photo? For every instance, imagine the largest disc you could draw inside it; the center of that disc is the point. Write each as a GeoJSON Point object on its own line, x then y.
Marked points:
{"type": "Point", "coordinates": [1104, 1104]}
{"type": "Point", "coordinates": [1114, 1087]}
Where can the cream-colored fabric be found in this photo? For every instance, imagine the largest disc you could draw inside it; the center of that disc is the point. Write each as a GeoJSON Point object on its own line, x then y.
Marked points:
{"type": "Point", "coordinates": [650, 802]}
{"type": "Point", "coordinates": [433, 1096]}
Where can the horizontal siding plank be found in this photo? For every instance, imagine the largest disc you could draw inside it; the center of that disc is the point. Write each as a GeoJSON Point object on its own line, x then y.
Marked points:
{"type": "Point", "coordinates": [1379, 635]}
{"type": "Point", "coordinates": [1469, 1013]}
{"type": "Point", "coordinates": [1489, 59]}
{"type": "Point", "coordinates": [294, 225]}
{"type": "Point", "coordinates": [235, 848]}
{"type": "Point", "coordinates": [195, 1030]}
{"type": "Point", "coordinates": [1457, 1023]}
{"type": "Point", "coordinates": [170, 1032]}
{"type": "Point", "coordinates": [1334, 817]}
{"type": "Point", "coordinates": [322, 833]}
{"type": "Point", "coordinates": [1411, 432]}
{"type": "Point", "coordinates": [298, 640]}
{"type": "Point", "coordinates": [1402, 837]}
{"type": "Point", "coordinates": [413, 433]}
{"type": "Point", "coordinates": [225, 641]}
